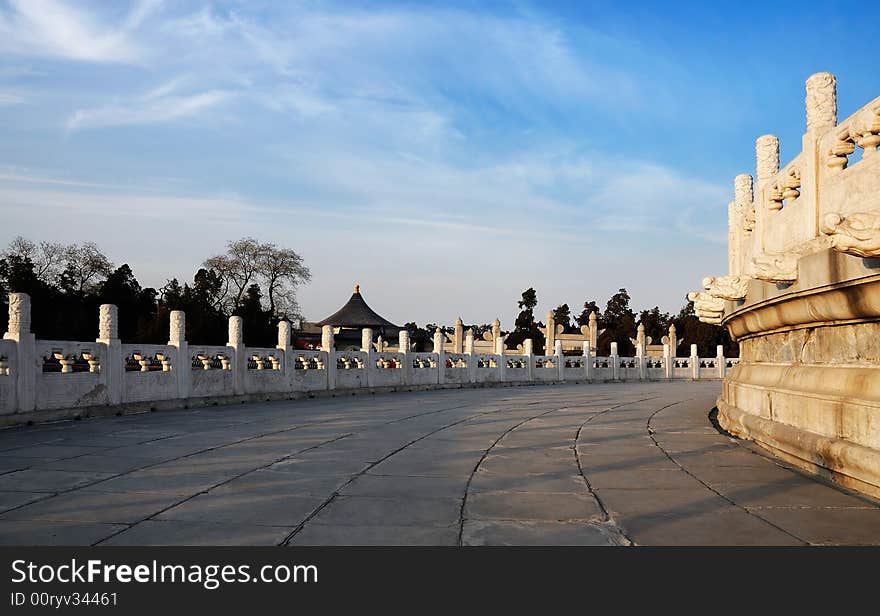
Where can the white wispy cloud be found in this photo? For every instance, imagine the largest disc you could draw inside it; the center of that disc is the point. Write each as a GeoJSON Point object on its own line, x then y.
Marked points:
{"type": "Point", "coordinates": [151, 109]}
{"type": "Point", "coordinates": [11, 98]}
{"type": "Point", "coordinates": [58, 29]}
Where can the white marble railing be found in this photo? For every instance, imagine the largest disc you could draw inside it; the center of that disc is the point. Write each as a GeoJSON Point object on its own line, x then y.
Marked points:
{"type": "Point", "coordinates": [44, 375]}
{"type": "Point", "coordinates": [827, 197]}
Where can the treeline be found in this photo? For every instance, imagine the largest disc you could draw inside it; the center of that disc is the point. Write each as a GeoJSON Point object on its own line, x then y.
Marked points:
{"type": "Point", "coordinates": [67, 284]}
{"type": "Point", "coordinates": [618, 319]}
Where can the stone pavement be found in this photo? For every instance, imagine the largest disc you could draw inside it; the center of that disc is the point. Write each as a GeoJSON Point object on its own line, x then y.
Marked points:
{"type": "Point", "coordinates": [549, 465]}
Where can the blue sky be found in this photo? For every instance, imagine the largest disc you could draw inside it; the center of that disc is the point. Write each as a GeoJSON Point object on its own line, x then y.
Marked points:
{"type": "Point", "coordinates": [444, 155]}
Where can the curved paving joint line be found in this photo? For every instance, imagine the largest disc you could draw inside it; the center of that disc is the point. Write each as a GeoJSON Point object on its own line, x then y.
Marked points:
{"type": "Point", "coordinates": [703, 483]}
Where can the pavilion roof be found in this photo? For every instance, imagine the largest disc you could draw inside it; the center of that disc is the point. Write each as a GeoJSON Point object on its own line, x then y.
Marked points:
{"type": "Point", "coordinates": [357, 314]}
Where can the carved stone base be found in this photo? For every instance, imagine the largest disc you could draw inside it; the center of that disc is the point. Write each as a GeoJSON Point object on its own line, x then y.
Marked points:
{"type": "Point", "coordinates": [811, 396]}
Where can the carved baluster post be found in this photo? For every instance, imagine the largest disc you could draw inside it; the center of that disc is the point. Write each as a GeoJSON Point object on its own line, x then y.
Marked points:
{"type": "Point", "coordinates": [767, 156]}
{"type": "Point", "coordinates": [26, 364]}
{"type": "Point", "coordinates": [499, 351]}
{"type": "Point", "coordinates": [821, 107]}
{"type": "Point", "coordinates": [458, 339]}
{"type": "Point", "coordinates": [667, 361]}
{"type": "Point", "coordinates": [695, 362]}
{"type": "Point", "coordinates": [641, 350]}
{"type": "Point", "coordinates": [441, 356]}
{"type": "Point", "coordinates": [283, 345]}
{"type": "Point", "coordinates": [472, 357]}
{"type": "Point", "coordinates": [594, 332]}
{"type": "Point", "coordinates": [328, 347]}
{"type": "Point", "coordinates": [720, 360]}
{"type": "Point", "coordinates": [615, 362]}
{"type": "Point", "coordinates": [560, 359]}
{"type": "Point", "coordinates": [529, 357]}
{"type": "Point", "coordinates": [110, 356]}
{"type": "Point", "coordinates": [181, 363]}
{"type": "Point", "coordinates": [367, 347]}
{"type": "Point", "coordinates": [550, 334]}
{"type": "Point", "coordinates": [742, 222]}
{"type": "Point", "coordinates": [235, 344]}
{"type": "Point", "coordinates": [403, 349]}
{"type": "Point", "coordinates": [588, 361]}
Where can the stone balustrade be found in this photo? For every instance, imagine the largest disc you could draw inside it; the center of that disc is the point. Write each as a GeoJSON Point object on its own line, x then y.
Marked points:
{"type": "Point", "coordinates": [44, 379]}
{"type": "Point", "coordinates": [802, 295]}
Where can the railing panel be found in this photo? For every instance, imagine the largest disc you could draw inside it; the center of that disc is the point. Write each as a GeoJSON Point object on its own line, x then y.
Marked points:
{"type": "Point", "coordinates": [488, 368]}
{"type": "Point", "coordinates": [309, 370]}
{"type": "Point", "coordinates": [69, 375]}
{"type": "Point", "coordinates": [388, 369]}
{"type": "Point", "coordinates": [603, 368]}
{"type": "Point", "coordinates": [8, 376]}
{"type": "Point", "coordinates": [211, 371]}
{"type": "Point", "coordinates": [149, 372]}
{"type": "Point", "coordinates": [423, 368]}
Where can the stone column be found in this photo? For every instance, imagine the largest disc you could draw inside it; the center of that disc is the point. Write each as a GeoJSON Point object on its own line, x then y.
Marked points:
{"type": "Point", "coordinates": [667, 361]}
{"type": "Point", "coordinates": [366, 339]}
{"type": "Point", "coordinates": [367, 347]}
{"type": "Point", "coordinates": [673, 340]}
{"type": "Point", "coordinates": [327, 346]}
{"type": "Point", "coordinates": [235, 343]}
{"type": "Point", "coordinates": [615, 362]}
{"type": "Point", "coordinates": [560, 359]}
{"type": "Point", "coordinates": [588, 361]}
{"type": "Point", "coordinates": [821, 103]}
{"type": "Point", "coordinates": [181, 366]}
{"type": "Point", "coordinates": [284, 330]}
{"type": "Point", "coordinates": [439, 337]}
{"type": "Point", "coordinates": [26, 365]}
{"type": "Point", "coordinates": [641, 351]}
{"type": "Point", "coordinates": [821, 107]}
{"type": "Point", "coordinates": [695, 362]}
{"type": "Point", "coordinates": [110, 357]}
{"type": "Point", "coordinates": [594, 332]}
{"type": "Point", "coordinates": [403, 349]}
{"type": "Point", "coordinates": [741, 223]}
{"type": "Point", "coordinates": [550, 334]}
{"type": "Point", "coordinates": [720, 360]}
{"type": "Point", "coordinates": [472, 357]}
{"type": "Point", "coordinates": [458, 339]}
{"type": "Point", "coordinates": [529, 355]}
{"type": "Point", "coordinates": [767, 157]}
{"type": "Point", "coordinates": [499, 352]}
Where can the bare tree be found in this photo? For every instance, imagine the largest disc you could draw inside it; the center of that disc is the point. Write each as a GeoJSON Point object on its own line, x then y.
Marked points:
{"type": "Point", "coordinates": [84, 264]}
{"type": "Point", "coordinates": [46, 257]}
{"type": "Point", "coordinates": [247, 261]}
{"type": "Point", "coordinates": [283, 270]}
{"type": "Point", "coordinates": [238, 266]}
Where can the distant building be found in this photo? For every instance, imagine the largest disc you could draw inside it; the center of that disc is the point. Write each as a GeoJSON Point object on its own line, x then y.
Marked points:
{"type": "Point", "coordinates": [348, 323]}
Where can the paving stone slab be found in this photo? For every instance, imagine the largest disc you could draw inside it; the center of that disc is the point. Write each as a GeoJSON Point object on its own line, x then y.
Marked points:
{"type": "Point", "coordinates": [39, 480]}
{"type": "Point", "coordinates": [547, 506]}
{"type": "Point", "coordinates": [374, 511]}
{"type": "Point", "coordinates": [82, 506]}
{"type": "Point", "coordinates": [321, 534]}
{"type": "Point", "coordinates": [819, 526]}
{"type": "Point", "coordinates": [26, 532]}
{"type": "Point", "coordinates": [10, 500]}
{"type": "Point", "coordinates": [245, 507]}
{"type": "Point", "coordinates": [724, 528]}
{"type": "Point", "coordinates": [414, 487]}
{"type": "Point", "coordinates": [795, 491]}
{"type": "Point", "coordinates": [494, 532]}
{"type": "Point", "coordinates": [169, 532]}
{"type": "Point", "coordinates": [566, 481]}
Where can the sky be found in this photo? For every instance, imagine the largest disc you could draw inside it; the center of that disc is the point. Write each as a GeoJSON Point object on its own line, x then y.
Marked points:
{"type": "Point", "coordinates": [444, 155]}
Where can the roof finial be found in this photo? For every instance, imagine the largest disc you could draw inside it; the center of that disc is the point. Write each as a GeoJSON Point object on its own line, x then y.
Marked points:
{"type": "Point", "coordinates": [357, 288]}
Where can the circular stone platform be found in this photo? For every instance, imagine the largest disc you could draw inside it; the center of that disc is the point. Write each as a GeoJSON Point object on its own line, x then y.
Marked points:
{"type": "Point", "coordinates": [572, 465]}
